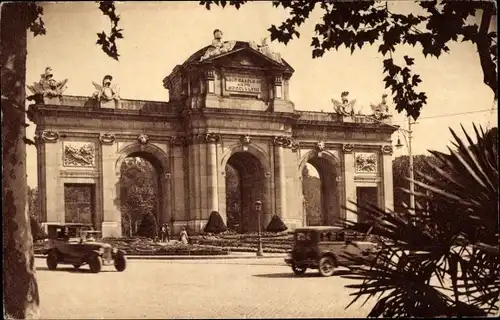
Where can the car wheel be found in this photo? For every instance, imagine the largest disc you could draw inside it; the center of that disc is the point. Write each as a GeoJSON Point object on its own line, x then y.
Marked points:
{"type": "Point", "coordinates": [52, 260]}
{"type": "Point", "coordinates": [298, 270]}
{"type": "Point", "coordinates": [77, 265]}
{"type": "Point", "coordinates": [120, 262]}
{"type": "Point", "coordinates": [95, 264]}
{"type": "Point", "coordinates": [327, 266]}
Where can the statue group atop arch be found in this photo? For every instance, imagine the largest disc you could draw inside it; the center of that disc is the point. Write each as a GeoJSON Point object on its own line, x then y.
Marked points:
{"type": "Point", "coordinates": [47, 87]}
{"type": "Point", "coordinates": [229, 114]}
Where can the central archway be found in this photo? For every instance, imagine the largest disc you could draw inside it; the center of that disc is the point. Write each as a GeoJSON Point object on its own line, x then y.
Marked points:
{"type": "Point", "coordinates": [245, 183]}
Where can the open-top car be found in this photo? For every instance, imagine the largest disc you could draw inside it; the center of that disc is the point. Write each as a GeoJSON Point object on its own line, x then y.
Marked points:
{"type": "Point", "coordinates": [322, 247]}
{"type": "Point", "coordinates": [77, 244]}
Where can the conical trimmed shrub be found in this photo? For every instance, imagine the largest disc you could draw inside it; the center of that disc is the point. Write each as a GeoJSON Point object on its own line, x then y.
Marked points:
{"type": "Point", "coordinates": [276, 225]}
{"type": "Point", "coordinates": [147, 228]}
{"type": "Point", "coordinates": [215, 224]}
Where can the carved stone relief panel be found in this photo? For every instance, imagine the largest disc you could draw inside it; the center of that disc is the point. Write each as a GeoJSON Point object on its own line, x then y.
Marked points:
{"type": "Point", "coordinates": [78, 154]}
{"type": "Point", "coordinates": [366, 162]}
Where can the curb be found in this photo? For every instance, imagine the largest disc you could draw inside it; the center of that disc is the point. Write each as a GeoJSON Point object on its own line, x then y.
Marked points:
{"type": "Point", "coordinates": [186, 257]}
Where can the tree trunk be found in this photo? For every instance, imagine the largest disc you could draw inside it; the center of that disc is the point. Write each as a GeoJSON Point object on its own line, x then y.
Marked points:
{"type": "Point", "coordinates": [21, 299]}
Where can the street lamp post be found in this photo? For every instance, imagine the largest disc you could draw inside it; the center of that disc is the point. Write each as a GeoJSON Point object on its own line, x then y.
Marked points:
{"type": "Point", "coordinates": [410, 158]}
{"type": "Point", "coordinates": [258, 209]}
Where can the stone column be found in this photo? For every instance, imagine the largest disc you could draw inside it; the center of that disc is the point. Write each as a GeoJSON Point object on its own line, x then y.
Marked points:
{"type": "Point", "coordinates": [110, 192]}
{"type": "Point", "coordinates": [387, 183]}
{"type": "Point", "coordinates": [213, 191]}
{"type": "Point", "coordinates": [279, 143]}
{"type": "Point", "coordinates": [349, 185]}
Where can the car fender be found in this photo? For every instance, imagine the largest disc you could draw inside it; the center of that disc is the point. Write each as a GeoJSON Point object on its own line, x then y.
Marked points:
{"type": "Point", "coordinates": [331, 255]}
{"type": "Point", "coordinates": [48, 250]}
{"type": "Point", "coordinates": [90, 254]}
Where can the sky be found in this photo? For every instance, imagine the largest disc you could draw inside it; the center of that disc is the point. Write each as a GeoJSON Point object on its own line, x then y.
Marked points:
{"type": "Point", "coordinates": [160, 35]}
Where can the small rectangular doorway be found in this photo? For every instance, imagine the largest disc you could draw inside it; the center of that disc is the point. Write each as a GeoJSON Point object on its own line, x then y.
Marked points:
{"type": "Point", "coordinates": [366, 196]}
{"type": "Point", "coordinates": [79, 203]}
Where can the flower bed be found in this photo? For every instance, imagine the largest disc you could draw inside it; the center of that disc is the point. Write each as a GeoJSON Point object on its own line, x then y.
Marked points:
{"type": "Point", "coordinates": [200, 244]}
{"type": "Point", "coordinates": [145, 246]}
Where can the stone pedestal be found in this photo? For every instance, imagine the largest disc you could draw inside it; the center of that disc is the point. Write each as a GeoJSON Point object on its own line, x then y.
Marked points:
{"type": "Point", "coordinates": [111, 229]}
{"type": "Point", "coordinates": [112, 104]}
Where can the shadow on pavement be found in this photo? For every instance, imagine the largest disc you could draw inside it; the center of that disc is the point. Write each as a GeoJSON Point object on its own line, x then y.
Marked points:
{"type": "Point", "coordinates": [72, 270]}
{"type": "Point", "coordinates": [310, 274]}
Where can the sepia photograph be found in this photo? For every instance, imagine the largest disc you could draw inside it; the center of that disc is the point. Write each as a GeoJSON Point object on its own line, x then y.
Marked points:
{"type": "Point", "coordinates": [250, 159]}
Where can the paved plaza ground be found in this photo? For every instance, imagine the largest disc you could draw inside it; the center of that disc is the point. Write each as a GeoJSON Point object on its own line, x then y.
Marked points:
{"type": "Point", "coordinates": [236, 288]}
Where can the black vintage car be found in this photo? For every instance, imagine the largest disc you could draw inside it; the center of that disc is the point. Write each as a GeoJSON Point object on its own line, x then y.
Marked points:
{"type": "Point", "coordinates": [321, 247]}
{"type": "Point", "coordinates": [78, 245]}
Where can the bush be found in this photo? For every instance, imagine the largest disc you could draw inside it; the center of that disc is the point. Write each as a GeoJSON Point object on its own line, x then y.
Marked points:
{"type": "Point", "coordinates": [36, 229]}
{"type": "Point", "coordinates": [147, 228]}
{"type": "Point", "coordinates": [215, 224]}
{"type": "Point", "coordinates": [276, 225]}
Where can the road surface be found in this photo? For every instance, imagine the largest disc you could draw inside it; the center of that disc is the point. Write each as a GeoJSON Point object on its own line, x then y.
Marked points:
{"type": "Point", "coordinates": [238, 288]}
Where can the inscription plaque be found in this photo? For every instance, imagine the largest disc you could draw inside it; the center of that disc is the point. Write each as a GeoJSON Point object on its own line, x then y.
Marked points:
{"type": "Point", "coordinates": [243, 83]}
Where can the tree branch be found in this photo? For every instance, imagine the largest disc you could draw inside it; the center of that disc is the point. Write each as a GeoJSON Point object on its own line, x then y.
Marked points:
{"type": "Point", "coordinates": [483, 48]}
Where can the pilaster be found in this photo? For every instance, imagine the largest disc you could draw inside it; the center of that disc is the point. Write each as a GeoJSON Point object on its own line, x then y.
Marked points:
{"type": "Point", "coordinates": [279, 164]}
{"type": "Point", "coordinates": [110, 188]}
{"type": "Point", "coordinates": [349, 184]}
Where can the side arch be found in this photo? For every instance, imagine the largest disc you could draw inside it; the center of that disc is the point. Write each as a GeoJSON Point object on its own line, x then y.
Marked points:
{"type": "Point", "coordinates": [160, 161]}
{"type": "Point", "coordinates": [328, 156]}
{"type": "Point", "coordinates": [329, 169]}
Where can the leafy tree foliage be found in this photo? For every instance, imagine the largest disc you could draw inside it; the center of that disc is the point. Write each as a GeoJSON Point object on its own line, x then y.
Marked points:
{"type": "Point", "coordinates": [233, 198]}
{"type": "Point", "coordinates": [276, 225]}
{"type": "Point", "coordinates": [356, 24]}
{"type": "Point", "coordinates": [445, 260]}
{"type": "Point", "coordinates": [138, 185]}
{"type": "Point", "coordinates": [215, 224]}
{"type": "Point", "coordinates": [311, 189]}
{"type": "Point", "coordinates": [34, 203]}
{"type": "Point", "coordinates": [36, 229]}
{"type": "Point", "coordinates": [400, 174]}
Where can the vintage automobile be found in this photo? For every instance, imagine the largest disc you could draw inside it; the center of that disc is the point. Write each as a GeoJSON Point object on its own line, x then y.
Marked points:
{"type": "Point", "coordinates": [321, 247]}
{"type": "Point", "coordinates": [77, 244]}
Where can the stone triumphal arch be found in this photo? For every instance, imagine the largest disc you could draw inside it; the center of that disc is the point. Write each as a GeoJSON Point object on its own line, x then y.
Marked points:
{"type": "Point", "coordinates": [228, 106]}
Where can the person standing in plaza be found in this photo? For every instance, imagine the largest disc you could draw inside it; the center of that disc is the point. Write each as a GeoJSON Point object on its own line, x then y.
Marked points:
{"type": "Point", "coordinates": [167, 232]}
{"type": "Point", "coordinates": [163, 232]}
{"type": "Point", "coordinates": [184, 236]}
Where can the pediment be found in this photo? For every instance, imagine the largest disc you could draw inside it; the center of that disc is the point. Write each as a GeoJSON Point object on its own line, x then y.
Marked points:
{"type": "Point", "coordinates": [248, 58]}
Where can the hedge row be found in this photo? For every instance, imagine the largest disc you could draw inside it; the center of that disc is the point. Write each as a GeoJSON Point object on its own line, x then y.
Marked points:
{"type": "Point", "coordinates": [239, 244]}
